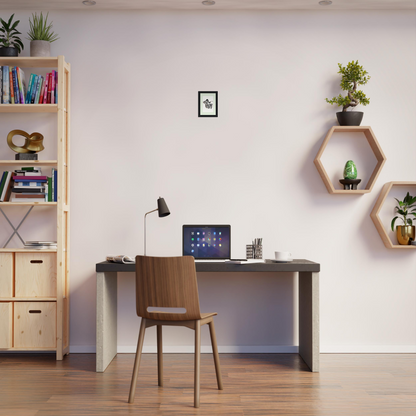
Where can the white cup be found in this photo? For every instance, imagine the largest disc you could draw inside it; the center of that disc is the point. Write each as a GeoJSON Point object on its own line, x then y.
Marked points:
{"type": "Point", "coordinates": [282, 255]}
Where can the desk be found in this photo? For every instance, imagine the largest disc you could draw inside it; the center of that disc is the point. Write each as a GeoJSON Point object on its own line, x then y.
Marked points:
{"type": "Point", "coordinates": [308, 303]}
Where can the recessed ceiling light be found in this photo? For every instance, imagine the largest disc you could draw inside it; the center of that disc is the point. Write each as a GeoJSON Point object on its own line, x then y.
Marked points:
{"type": "Point", "coordinates": [208, 2]}
{"type": "Point", "coordinates": [325, 2]}
{"type": "Point", "coordinates": [89, 3]}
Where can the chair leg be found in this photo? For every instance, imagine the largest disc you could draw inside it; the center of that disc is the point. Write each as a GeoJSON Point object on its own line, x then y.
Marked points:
{"type": "Point", "coordinates": [197, 362]}
{"type": "Point", "coordinates": [137, 361]}
{"type": "Point", "coordinates": [159, 356]}
{"type": "Point", "coordinates": [215, 353]}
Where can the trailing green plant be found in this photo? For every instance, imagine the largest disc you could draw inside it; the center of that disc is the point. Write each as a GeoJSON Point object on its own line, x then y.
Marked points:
{"type": "Point", "coordinates": [8, 34]}
{"type": "Point", "coordinates": [353, 75]}
{"type": "Point", "coordinates": [406, 208]}
{"type": "Point", "coordinates": [40, 30]}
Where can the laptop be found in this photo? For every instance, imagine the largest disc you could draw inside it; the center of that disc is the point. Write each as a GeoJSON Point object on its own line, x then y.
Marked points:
{"type": "Point", "coordinates": [207, 242]}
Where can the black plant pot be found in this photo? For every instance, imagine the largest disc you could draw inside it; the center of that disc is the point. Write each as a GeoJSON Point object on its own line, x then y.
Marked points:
{"type": "Point", "coordinates": [350, 118]}
{"type": "Point", "coordinates": [8, 52]}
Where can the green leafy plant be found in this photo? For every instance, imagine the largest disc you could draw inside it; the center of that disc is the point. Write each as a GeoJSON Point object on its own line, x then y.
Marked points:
{"type": "Point", "coordinates": [8, 34]}
{"type": "Point", "coordinates": [353, 75]}
{"type": "Point", "coordinates": [406, 208]}
{"type": "Point", "coordinates": [40, 30]}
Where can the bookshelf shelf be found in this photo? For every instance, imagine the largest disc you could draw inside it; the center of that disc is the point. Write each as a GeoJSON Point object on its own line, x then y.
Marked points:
{"type": "Point", "coordinates": [36, 204]}
{"type": "Point", "coordinates": [25, 250]}
{"type": "Point", "coordinates": [46, 272]}
{"type": "Point", "coordinates": [20, 299]}
{"type": "Point", "coordinates": [29, 162]}
{"type": "Point", "coordinates": [50, 62]}
{"type": "Point", "coordinates": [28, 108]}
{"type": "Point", "coordinates": [32, 349]}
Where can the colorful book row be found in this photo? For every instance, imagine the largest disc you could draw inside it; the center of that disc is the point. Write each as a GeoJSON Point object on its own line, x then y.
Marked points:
{"type": "Point", "coordinates": [40, 90]}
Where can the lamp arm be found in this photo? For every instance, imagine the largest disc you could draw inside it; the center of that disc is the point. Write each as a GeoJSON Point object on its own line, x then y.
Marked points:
{"type": "Point", "coordinates": [145, 215]}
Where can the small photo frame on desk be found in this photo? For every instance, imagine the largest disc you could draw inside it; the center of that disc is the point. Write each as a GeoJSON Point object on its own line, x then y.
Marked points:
{"type": "Point", "coordinates": [207, 103]}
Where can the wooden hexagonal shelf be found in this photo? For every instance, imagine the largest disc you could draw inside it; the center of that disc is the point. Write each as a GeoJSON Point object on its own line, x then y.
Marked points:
{"type": "Point", "coordinates": [376, 211]}
{"type": "Point", "coordinates": [375, 147]}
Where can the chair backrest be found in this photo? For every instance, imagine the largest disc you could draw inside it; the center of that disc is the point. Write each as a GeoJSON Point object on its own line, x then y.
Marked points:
{"type": "Point", "coordinates": [167, 282]}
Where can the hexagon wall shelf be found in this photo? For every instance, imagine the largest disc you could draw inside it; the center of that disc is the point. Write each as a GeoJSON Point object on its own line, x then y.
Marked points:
{"type": "Point", "coordinates": [375, 147]}
{"type": "Point", "coordinates": [376, 211]}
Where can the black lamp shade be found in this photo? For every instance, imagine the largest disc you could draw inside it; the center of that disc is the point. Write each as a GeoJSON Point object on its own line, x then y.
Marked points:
{"type": "Point", "coordinates": [162, 208]}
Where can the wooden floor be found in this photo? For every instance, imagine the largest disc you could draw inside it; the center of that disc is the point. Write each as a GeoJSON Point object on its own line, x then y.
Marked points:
{"type": "Point", "coordinates": [254, 384]}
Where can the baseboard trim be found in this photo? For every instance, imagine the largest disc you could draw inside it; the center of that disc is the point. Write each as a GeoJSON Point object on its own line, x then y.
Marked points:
{"type": "Point", "coordinates": [368, 349]}
{"type": "Point", "coordinates": [257, 349]}
{"type": "Point", "coordinates": [206, 349]}
{"type": "Point", "coordinates": [82, 349]}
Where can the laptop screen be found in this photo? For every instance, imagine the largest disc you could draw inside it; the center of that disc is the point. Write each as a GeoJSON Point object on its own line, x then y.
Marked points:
{"type": "Point", "coordinates": [207, 241]}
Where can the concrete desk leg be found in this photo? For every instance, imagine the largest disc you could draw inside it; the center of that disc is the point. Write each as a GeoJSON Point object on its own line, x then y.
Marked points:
{"type": "Point", "coordinates": [106, 320]}
{"type": "Point", "coordinates": [309, 319]}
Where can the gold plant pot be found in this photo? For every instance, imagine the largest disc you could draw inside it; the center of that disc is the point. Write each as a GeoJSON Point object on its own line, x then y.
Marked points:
{"type": "Point", "coordinates": [405, 233]}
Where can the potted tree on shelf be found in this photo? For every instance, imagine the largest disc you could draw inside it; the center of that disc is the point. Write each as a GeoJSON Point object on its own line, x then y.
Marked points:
{"type": "Point", "coordinates": [11, 44]}
{"type": "Point", "coordinates": [353, 75]}
{"type": "Point", "coordinates": [40, 35]}
{"type": "Point", "coordinates": [407, 208]}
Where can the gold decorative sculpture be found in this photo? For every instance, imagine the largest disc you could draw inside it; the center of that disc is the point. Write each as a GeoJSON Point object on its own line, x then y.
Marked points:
{"type": "Point", "coordinates": [33, 143]}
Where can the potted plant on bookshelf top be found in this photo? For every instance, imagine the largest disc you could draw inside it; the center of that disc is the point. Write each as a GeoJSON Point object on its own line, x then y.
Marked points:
{"type": "Point", "coordinates": [353, 75]}
{"type": "Point", "coordinates": [40, 35]}
{"type": "Point", "coordinates": [11, 45]}
{"type": "Point", "coordinates": [407, 208]}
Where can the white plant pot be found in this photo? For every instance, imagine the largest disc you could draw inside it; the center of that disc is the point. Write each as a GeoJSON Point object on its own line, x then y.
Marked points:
{"type": "Point", "coordinates": [40, 48]}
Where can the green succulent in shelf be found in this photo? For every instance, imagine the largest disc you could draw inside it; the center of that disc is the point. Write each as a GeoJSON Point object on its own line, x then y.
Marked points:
{"type": "Point", "coordinates": [406, 209]}
{"type": "Point", "coordinates": [40, 30]}
{"type": "Point", "coordinates": [8, 34]}
{"type": "Point", "coordinates": [353, 75]}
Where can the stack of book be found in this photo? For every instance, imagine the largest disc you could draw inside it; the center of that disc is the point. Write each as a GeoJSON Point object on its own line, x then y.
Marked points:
{"type": "Point", "coordinates": [28, 185]}
{"type": "Point", "coordinates": [30, 189]}
{"type": "Point", "coordinates": [40, 90]}
{"type": "Point", "coordinates": [41, 245]}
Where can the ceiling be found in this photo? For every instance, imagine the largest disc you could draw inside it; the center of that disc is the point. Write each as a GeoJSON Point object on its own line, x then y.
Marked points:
{"type": "Point", "coordinates": [196, 5]}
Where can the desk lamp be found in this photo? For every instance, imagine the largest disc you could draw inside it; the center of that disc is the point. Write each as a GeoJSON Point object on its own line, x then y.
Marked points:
{"type": "Point", "coordinates": [163, 210]}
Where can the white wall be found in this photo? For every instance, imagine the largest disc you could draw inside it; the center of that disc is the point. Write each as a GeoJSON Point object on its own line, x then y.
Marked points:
{"type": "Point", "coordinates": [136, 136]}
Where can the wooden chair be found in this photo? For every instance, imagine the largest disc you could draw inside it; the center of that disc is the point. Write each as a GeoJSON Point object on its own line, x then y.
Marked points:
{"type": "Point", "coordinates": [170, 282]}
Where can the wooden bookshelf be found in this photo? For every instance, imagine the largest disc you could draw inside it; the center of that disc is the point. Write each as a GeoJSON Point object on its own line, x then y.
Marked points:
{"type": "Point", "coordinates": [375, 214]}
{"type": "Point", "coordinates": [375, 147]}
{"type": "Point", "coordinates": [51, 267]}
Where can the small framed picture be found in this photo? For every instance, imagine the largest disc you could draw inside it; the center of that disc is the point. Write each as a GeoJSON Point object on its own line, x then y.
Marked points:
{"type": "Point", "coordinates": [207, 103]}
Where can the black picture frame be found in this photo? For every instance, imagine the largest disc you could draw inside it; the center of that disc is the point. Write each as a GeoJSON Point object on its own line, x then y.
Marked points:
{"type": "Point", "coordinates": [203, 108]}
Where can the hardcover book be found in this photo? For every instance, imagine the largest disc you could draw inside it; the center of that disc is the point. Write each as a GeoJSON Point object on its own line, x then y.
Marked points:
{"type": "Point", "coordinates": [31, 178]}
{"type": "Point", "coordinates": [29, 88]}
{"type": "Point", "coordinates": [21, 81]}
{"type": "Point", "coordinates": [11, 86]}
{"type": "Point", "coordinates": [6, 86]}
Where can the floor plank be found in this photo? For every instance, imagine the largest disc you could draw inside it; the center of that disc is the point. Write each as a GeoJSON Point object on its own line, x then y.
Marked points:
{"type": "Point", "coordinates": [254, 384]}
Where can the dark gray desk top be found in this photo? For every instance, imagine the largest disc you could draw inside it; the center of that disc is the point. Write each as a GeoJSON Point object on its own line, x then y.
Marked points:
{"type": "Point", "coordinates": [298, 265]}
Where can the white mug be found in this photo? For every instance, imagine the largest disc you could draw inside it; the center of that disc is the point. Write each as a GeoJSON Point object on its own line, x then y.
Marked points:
{"type": "Point", "coordinates": [282, 255]}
